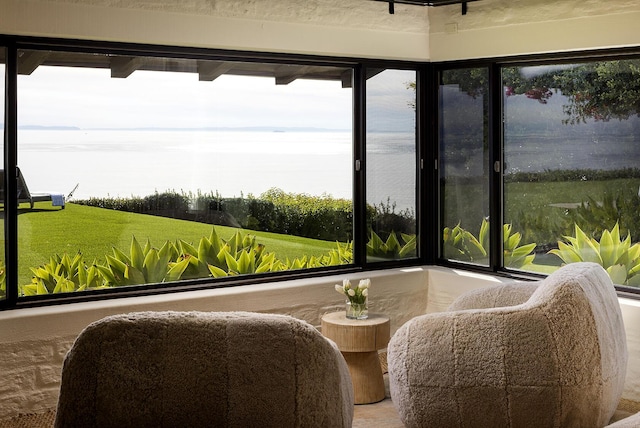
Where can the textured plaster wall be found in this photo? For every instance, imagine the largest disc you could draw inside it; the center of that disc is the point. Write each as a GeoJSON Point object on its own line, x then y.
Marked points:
{"type": "Point", "coordinates": [336, 13]}
{"type": "Point", "coordinates": [355, 28]}
{"type": "Point", "coordinates": [515, 27]}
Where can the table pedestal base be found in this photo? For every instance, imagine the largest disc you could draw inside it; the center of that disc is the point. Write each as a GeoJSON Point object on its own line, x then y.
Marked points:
{"type": "Point", "coordinates": [366, 376]}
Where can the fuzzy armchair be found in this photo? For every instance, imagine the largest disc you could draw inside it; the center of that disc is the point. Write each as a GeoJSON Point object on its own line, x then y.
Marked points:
{"type": "Point", "coordinates": [204, 369]}
{"type": "Point", "coordinates": [549, 354]}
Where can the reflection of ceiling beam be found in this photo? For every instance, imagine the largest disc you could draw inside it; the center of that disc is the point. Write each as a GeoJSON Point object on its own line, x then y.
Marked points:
{"type": "Point", "coordinates": [28, 61]}
{"type": "Point", "coordinates": [209, 71]}
{"type": "Point", "coordinates": [346, 79]}
{"type": "Point", "coordinates": [371, 72]}
{"type": "Point", "coordinates": [284, 77]}
{"type": "Point", "coordinates": [123, 66]}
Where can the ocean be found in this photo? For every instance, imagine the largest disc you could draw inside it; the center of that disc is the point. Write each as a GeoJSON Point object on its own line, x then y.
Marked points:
{"type": "Point", "coordinates": [124, 163]}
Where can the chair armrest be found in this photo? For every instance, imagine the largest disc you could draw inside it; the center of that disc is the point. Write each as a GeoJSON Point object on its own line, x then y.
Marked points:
{"type": "Point", "coordinates": [495, 296]}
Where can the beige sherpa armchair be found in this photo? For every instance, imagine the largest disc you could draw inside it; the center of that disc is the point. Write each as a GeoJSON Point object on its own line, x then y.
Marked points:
{"type": "Point", "coordinates": [204, 369]}
{"type": "Point", "coordinates": [549, 354]}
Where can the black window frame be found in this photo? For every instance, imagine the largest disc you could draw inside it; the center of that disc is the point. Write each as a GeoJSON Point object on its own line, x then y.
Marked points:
{"type": "Point", "coordinates": [428, 191]}
{"type": "Point", "coordinates": [496, 154]}
{"type": "Point", "coordinates": [13, 44]}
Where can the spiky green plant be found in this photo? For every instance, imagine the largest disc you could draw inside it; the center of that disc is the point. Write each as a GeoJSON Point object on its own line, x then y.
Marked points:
{"type": "Point", "coordinates": [460, 244]}
{"type": "Point", "coordinates": [620, 259]}
{"type": "Point", "coordinates": [392, 248]}
{"type": "Point", "coordinates": [341, 255]}
{"type": "Point", "coordinates": [141, 266]}
{"type": "Point", "coordinates": [63, 274]}
{"type": "Point", "coordinates": [514, 255]}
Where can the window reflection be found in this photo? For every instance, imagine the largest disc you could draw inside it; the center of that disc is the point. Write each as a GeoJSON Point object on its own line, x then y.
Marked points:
{"type": "Point", "coordinates": [464, 155]}
{"type": "Point", "coordinates": [391, 165]}
{"type": "Point", "coordinates": [572, 150]}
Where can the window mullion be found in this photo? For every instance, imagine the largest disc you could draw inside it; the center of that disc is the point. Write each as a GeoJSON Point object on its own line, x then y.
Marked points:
{"type": "Point", "coordinates": [496, 167]}
{"type": "Point", "coordinates": [10, 182]}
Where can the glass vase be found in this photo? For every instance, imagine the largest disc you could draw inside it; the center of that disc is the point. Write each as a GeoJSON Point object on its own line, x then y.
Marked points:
{"type": "Point", "coordinates": [357, 311]}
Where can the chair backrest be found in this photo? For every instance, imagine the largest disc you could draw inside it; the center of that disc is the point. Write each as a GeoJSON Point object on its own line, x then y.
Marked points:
{"type": "Point", "coordinates": [192, 369]}
{"type": "Point", "coordinates": [582, 308]}
{"type": "Point", "coordinates": [552, 354]}
{"type": "Point", "coordinates": [23, 191]}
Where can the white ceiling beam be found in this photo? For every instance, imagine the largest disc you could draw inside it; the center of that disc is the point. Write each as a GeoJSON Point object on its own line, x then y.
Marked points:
{"type": "Point", "coordinates": [123, 66]}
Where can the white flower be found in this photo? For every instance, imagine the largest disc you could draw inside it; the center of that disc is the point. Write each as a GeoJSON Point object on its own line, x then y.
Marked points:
{"type": "Point", "coordinates": [351, 292]}
{"type": "Point", "coordinates": [346, 284]}
{"type": "Point", "coordinates": [339, 288]}
{"type": "Point", "coordinates": [365, 292]}
{"type": "Point", "coordinates": [364, 283]}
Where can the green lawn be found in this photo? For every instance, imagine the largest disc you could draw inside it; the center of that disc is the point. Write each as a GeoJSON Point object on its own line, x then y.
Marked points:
{"type": "Point", "coordinates": [541, 196]}
{"type": "Point", "coordinates": [45, 231]}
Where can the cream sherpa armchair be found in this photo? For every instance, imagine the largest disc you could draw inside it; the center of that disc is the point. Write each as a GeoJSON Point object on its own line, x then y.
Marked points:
{"type": "Point", "coordinates": [204, 369]}
{"type": "Point", "coordinates": [549, 354]}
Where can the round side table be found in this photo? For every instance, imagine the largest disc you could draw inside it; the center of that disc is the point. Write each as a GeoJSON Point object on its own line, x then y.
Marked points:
{"type": "Point", "coordinates": [359, 341]}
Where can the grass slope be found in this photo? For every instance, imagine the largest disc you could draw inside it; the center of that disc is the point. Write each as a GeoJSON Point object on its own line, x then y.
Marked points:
{"type": "Point", "coordinates": [45, 231]}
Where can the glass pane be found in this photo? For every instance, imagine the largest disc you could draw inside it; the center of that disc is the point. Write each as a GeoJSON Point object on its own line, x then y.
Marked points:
{"type": "Point", "coordinates": [572, 151]}
{"type": "Point", "coordinates": [391, 165]}
{"type": "Point", "coordinates": [150, 153]}
{"type": "Point", "coordinates": [464, 160]}
{"type": "Point", "coordinates": [3, 282]}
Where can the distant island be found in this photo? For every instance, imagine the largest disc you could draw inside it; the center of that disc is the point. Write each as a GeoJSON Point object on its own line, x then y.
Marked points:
{"type": "Point", "coordinates": [48, 128]}
{"type": "Point", "coordinates": [214, 128]}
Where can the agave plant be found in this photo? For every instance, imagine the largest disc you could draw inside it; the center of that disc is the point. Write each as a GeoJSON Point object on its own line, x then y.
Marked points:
{"type": "Point", "coordinates": [143, 265]}
{"type": "Point", "coordinates": [343, 254]}
{"type": "Point", "coordinates": [63, 274]}
{"type": "Point", "coordinates": [392, 248]}
{"type": "Point", "coordinates": [620, 259]}
{"type": "Point", "coordinates": [460, 244]}
{"type": "Point", "coordinates": [514, 255]}
{"type": "Point", "coordinates": [217, 257]}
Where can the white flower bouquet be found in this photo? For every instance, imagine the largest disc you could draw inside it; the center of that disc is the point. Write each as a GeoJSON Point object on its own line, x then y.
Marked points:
{"type": "Point", "coordinates": [357, 298]}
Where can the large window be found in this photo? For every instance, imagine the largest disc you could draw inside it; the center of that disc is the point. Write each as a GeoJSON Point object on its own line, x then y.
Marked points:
{"type": "Point", "coordinates": [391, 164]}
{"type": "Point", "coordinates": [142, 167]}
{"type": "Point", "coordinates": [152, 170]}
{"type": "Point", "coordinates": [572, 155]}
{"type": "Point", "coordinates": [464, 164]}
